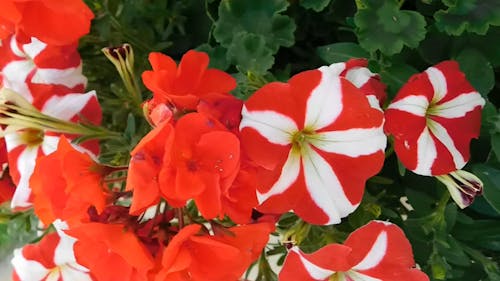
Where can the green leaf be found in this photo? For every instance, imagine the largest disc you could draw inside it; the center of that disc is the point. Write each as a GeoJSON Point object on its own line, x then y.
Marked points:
{"type": "Point", "coordinates": [316, 5]}
{"type": "Point", "coordinates": [260, 17]}
{"type": "Point", "coordinates": [477, 69]}
{"type": "Point", "coordinates": [382, 26]}
{"type": "Point", "coordinates": [340, 52]}
{"type": "Point", "coordinates": [468, 15]}
{"type": "Point", "coordinates": [491, 179]}
{"type": "Point", "coordinates": [250, 53]}
{"type": "Point", "coordinates": [395, 76]}
{"type": "Point", "coordinates": [218, 58]}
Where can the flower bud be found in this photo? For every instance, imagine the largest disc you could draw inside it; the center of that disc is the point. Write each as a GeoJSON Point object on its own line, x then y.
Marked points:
{"type": "Point", "coordinates": [463, 186]}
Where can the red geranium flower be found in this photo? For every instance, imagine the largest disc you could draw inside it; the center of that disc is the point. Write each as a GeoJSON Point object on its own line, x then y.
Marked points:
{"type": "Point", "coordinates": [51, 21]}
{"type": "Point", "coordinates": [378, 251]}
{"type": "Point", "coordinates": [441, 113]}
{"type": "Point", "coordinates": [66, 183]}
{"type": "Point", "coordinates": [317, 140]}
{"type": "Point", "coordinates": [225, 256]}
{"type": "Point", "coordinates": [183, 86]}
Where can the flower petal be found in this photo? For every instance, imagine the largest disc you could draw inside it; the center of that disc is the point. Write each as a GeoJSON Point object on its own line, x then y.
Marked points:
{"type": "Point", "coordinates": [67, 106]}
{"type": "Point", "coordinates": [275, 127]}
{"type": "Point", "coordinates": [459, 106]}
{"type": "Point", "coordinates": [426, 153]}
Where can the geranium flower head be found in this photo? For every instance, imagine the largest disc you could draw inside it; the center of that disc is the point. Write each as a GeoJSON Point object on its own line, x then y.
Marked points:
{"type": "Point", "coordinates": [317, 140]}
{"type": "Point", "coordinates": [433, 119]}
{"type": "Point", "coordinates": [182, 86]}
{"type": "Point", "coordinates": [378, 251]}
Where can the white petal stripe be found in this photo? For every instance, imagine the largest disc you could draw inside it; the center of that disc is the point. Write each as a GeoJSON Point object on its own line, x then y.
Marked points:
{"type": "Point", "coordinates": [442, 135]}
{"type": "Point", "coordinates": [316, 272]}
{"type": "Point", "coordinates": [289, 174]}
{"type": "Point", "coordinates": [426, 153]}
{"type": "Point", "coordinates": [69, 77]}
{"type": "Point", "coordinates": [28, 269]}
{"type": "Point", "coordinates": [275, 127]}
{"type": "Point", "coordinates": [352, 142]}
{"type": "Point", "coordinates": [438, 81]}
{"type": "Point", "coordinates": [459, 106]}
{"type": "Point", "coordinates": [325, 102]}
{"type": "Point", "coordinates": [356, 276]}
{"type": "Point", "coordinates": [416, 105]}
{"type": "Point", "coordinates": [375, 255]}
{"type": "Point", "coordinates": [67, 106]}
{"type": "Point", "coordinates": [25, 166]}
{"type": "Point", "coordinates": [324, 187]}
{"type": "Point", "coordinates": [359, 76]}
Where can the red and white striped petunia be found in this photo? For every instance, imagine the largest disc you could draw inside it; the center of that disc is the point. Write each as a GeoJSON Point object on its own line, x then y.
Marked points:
{"type": "Point", "coordinates": [378, 251]}
{"type": "Point", "coordinates": [50, 259]}
{"type": "Point", "coordinates": [24, 146]}
{"type": "Point", "coordinates": [316, 140]}
{"type": "Point", "coordinates": [27, 64]}
{"type": "Point", "coordinates": [433, 118]}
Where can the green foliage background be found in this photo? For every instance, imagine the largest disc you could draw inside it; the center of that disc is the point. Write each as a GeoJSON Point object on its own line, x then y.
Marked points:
{"type": "Point", "coordinates": [265, 40]}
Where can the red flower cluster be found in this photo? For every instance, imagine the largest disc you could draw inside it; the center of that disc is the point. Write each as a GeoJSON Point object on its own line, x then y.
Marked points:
{"type": "Point", "coordinates": [184, 209]}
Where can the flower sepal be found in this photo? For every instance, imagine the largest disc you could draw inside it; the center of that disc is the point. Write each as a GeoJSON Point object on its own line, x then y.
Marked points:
{"type": "Point", "coordinates": [463, 187]}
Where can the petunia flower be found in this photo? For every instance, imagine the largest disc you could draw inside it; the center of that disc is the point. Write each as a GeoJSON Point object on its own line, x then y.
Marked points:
{"type": "Point", "coordinates": [24, 65]}
{"type": "Point", "coordinates": [184, 85]}
{"type": "Point", "coordinates": [193, 255]}
{"type": "Point", "coordinates": [66, 183]}
{"type": "Point", "coordinates": [441, 113]}
{"type": "Point", "coordinates": [378, 251]}
{"type": "Point", "coordinates": [317, 140]}
{"type": "Point", "coordinates": [52, 258]}
{"type": "Point", "coordinates": [52, 21]}
{"type": "Point", "coordinates": [25, 144]}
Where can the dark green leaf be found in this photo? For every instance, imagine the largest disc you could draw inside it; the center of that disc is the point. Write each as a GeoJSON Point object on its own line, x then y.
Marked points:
{"type": "Point", "coordinates": [382, 26]}
{"type": "Point", "coordinates": [250, 53]}
{"type": "Point", "coordinates": [468, 15]}
{"type": "Point", "coordinates": [259, 17]}
{"type": "Point", "coordinates": [316, 5]}
{"type": "Point", "coordinates": [491, 180]}
{"type": "Point", "coordinates": [218, 56]}
{"type": "Point", "coordinates": [340, 52]}
{"type": "Point", "coordinates": [477, 69]}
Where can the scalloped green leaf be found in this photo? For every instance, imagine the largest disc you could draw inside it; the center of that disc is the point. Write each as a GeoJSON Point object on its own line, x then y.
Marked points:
{"type": "Point", "coordinates": [217, 54]}
{"type": "Point", "coordinates": [340, 52]}
{"type": "Point", "coordinates": [250, 53]}
{"type": "Point", "coordinates": [261, 17]}
{"type": "Point", "coordinates": [316, 5]}
{"type": "Point", "coordinates": [477, 69]}
{"type": "Point", "coordinates": [381, 25]}
{"type": "Point", "coordinates": [468, 15]}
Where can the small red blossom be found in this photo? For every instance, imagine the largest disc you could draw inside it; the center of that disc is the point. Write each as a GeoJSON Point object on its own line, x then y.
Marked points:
{"type": "Point", "coordinates": [378, 251]}
{"type": "Point", "coordinates": [183, 86]}
{"type": "Point", "coordinates": [66, 183]}
{"type": "Point", "coordinates": [225, 256]}
{"type": "Point", "coordinates": [442, 113]}
{"type": "Point", "coordinates": [316, 140]}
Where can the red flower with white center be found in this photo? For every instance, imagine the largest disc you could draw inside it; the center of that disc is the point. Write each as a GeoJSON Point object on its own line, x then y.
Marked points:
{"type": "Point", "coordinates": [25, 65]}
{"type": "Point", "coordinates": [24, 146]}
{"type": "Point", "coordinates": [317, 140]}
{"type": "Point", "coordinates": [433, 119]}
{"type": "Point", "coordinates": [183, 86]}
{"type": "Point", "coordinates": [357, 72]}
{"type": "Point", "coordinates": [378, 251]}
{"type": "Point", "coordinates": [52, 21]}
{"type": "Point", "coordinates": [50, 259]}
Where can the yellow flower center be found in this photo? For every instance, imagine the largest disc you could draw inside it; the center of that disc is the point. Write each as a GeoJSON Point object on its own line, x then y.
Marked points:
{"type": "Point", "coordinates": [31, 137]}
